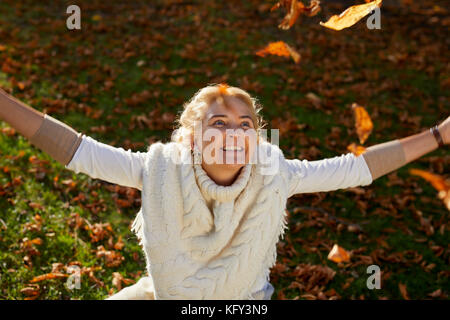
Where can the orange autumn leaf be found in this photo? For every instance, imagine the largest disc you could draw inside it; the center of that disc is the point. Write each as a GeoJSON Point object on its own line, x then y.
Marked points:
{"type": "Point", "coordinates": [28, 243]}
{"type": "Point", "coordinates": [223, 88]}
{"type": "Point", "coordinates": [48, 276]}
{"type": "Point", "coordinates": [279, 48]}
{"type": "Point", "coordinates": [438, 182]}
{"type": "Point", "coordinates": [363, 123]}
{"type": "Point", "coordinates": [356, 149]}
{"type": "Point", "coordinates": [295, 8]}
{"type": "Point", "coordinates": [351, 15]}
{"type": "Point", "coordinates": [338, 254]}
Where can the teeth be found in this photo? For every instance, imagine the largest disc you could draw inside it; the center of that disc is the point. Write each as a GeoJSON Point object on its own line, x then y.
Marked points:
{"type": "Point", "coordinates": [233, 149]}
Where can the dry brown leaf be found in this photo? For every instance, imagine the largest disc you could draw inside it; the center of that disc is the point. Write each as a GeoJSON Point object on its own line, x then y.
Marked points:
{"type": "Point", "coordinates": [113, 258]}
{"type": "Point", "coordinates": [295, 8]}
{"type": "Point", "coordinates": [31, 291]}
{"type": "Point", "coordinates": [119, 244]}
{"type": "Point", "coordinates": [338, 254]}
{"type": "Point", "coordinates": [118, 279]}
{"type": "Point", "coordinates": [436, 294]}
{"type": "Point", "coordinates": [402, 288]}
{"type": "Point", "coordinates": [351, 15]}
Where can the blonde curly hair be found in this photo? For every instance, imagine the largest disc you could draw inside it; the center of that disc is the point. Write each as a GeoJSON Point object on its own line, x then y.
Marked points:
{"type": "Point", "coordinates": [196, 107]}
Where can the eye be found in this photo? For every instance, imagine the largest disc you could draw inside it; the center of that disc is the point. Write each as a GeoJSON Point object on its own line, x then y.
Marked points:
{"type": "Point", "coordinates": [218, 122]}
{"type": "Point", "coordinates": [246, 123]}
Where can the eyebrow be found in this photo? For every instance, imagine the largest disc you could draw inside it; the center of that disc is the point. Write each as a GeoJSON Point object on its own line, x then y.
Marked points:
{"type": "Point", "coordinates": [225, 116]}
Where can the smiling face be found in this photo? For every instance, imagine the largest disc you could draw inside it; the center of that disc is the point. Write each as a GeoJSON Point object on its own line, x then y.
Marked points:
{"type": "Point", "coordinates": [229, 136]}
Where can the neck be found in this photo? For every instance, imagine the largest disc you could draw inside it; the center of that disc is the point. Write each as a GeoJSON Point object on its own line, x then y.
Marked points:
{"type": "Point", "coordinates": [221, 176]}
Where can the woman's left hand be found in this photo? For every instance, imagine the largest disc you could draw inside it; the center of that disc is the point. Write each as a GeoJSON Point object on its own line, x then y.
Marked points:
{"type": "Point", "coordinates": [444, 130]}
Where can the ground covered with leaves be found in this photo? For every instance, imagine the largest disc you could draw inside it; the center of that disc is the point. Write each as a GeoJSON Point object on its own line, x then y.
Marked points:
{"type": "Point", "coordinates": [123, 78]}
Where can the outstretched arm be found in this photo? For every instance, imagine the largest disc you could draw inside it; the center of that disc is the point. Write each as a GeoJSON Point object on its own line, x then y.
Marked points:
{"type": "Point", "coordinates": [74, 150]}
{"type": "Point", "coordinates": [48, 134]}
{"type": "Point", "coordinates": [348, 170]}
{"type": "Point", "coordinates": [389, 156]}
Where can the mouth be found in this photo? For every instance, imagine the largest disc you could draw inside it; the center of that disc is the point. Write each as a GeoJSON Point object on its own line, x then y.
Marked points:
{"type": "Point", "coordinates": [232, 148]}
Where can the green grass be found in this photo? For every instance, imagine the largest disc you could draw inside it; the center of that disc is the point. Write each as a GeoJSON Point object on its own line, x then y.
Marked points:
{"type": "Point", "coordinates": [66, 244]}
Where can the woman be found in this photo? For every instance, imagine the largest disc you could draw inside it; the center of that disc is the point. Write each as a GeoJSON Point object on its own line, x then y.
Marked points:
{"type": "Point", "coordinates": [211, 215]}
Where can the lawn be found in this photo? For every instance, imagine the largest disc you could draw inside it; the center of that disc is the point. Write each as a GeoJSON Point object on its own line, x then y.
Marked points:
{"type": "Point", "coordinates": [146, 58]}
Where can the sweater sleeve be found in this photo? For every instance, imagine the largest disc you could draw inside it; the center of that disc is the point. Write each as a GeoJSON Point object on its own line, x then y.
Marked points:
{"type": "Point", "coordinates": [328, 174]}
{"type": "Point", "coordinates": [108, 163]}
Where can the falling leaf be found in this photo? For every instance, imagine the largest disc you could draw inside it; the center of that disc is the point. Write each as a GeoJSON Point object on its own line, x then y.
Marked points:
{"type": "Point", "coordinates": [2, 48]}
{"type": "Point", "coordinates": [279, 48]}
{"type": "Point", "coordinates": [295, 8]}
{"type": "Point", "coordinates": [338, 254]}
{"type": "Point", "coordinates": [223, 88]}
{"type": "Point", "coordinates": [356, 149]}
{"type": "Point", "coordinates": [363, 123]}
{"type": "Point", "coordinates": [351, 15]}
{"type": "Point", "coordinates": [438, 182]}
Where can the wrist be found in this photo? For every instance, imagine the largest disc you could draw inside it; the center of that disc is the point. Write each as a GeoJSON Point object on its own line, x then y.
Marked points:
{"type": "Point", "coordinates": [437, 135]}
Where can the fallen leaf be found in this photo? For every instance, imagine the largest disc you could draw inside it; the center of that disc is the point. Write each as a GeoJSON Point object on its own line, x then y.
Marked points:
{"type": "Point", "coordinates": [436, 293]}
{"type": "Point", "coordinates": [403, 291]}
{"type": "Point", "coordinates": [49, 276]}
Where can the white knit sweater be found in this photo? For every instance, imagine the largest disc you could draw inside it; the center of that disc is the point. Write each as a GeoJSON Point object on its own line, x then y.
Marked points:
{"type": "Point", "coordinates": [206, 241]}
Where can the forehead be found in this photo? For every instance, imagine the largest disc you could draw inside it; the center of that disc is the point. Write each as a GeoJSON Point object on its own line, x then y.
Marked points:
{"type": "Point", "coordinates": [233, 104]}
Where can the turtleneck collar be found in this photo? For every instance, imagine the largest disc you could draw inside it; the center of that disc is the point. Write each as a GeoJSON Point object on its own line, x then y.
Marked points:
{"type": "Point", "coordinates": [218, 192]}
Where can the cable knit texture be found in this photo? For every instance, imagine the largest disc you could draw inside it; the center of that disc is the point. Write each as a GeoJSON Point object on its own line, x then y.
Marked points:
{"type": "Point", "coordinates": [193, 252]}
{"type": "Point", "coordinates": [202, 240]}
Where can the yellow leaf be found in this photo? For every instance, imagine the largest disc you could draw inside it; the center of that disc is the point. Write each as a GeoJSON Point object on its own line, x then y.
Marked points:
{"type": "Point", "coordinates": [363, 123]}
{"type": "Point", "coordinates": [351, 16]}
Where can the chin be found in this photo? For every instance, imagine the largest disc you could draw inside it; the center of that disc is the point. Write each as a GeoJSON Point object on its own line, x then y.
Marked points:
{"type": "Point", "coordinates": [233, 167]}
